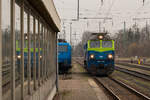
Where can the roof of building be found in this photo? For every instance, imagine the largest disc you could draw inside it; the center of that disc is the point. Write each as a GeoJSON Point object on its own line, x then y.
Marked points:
{"type": "Point", "coordinates": [48, 11]}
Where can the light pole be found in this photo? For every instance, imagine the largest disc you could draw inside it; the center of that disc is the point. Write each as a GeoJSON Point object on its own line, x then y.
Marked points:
{"type": "Point", "coordinates": [99, 26]}
{"type": "Point", "coordinates": [78, 10]}
{"type": "Point", "coordinates": [70, 32]}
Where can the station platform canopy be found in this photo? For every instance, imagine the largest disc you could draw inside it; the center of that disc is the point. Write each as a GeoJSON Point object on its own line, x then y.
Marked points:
{"type": "Point", "coordinates": [48, 11]}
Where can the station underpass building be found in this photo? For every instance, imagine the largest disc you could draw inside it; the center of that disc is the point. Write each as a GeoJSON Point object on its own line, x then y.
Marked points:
{"type": "Point", "coordinates": [28, 49]}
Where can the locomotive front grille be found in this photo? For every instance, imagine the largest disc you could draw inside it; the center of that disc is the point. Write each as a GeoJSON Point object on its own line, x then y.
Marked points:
{"type": "Point", "coordinates": [101, 66]}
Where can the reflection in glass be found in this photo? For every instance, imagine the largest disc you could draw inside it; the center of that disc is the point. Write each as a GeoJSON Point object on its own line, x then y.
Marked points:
{"type": "Point", "coordinates": [6, 45]}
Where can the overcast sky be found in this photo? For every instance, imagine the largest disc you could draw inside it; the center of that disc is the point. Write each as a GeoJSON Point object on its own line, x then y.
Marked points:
{"type": "Point", "coordinates": [118, 10]}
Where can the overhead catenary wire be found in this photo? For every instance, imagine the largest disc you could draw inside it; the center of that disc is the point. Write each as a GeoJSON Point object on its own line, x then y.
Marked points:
{"type": "Point", "coordinates": [140, 8]}
{"type": "Point", "coordinates": [109, 10]}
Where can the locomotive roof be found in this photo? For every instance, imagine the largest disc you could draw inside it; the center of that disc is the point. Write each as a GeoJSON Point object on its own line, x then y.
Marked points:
{"type": "Point", "coordinates": [103, 34]}
{"type": "Point", "coordinates": [63, 43]}
{"type": "Point", "coordinates": [62, 40]}
{"type": "Point", "coordinates": [95, 36]}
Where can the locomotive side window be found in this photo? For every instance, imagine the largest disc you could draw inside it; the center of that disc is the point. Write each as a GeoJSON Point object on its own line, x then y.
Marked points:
{"type": "Point", "coordinates": [107, 44]}
{"type": "Point", "coordinates": [94, 44]}
{"type": "Point", "coordinates": [62, 48]}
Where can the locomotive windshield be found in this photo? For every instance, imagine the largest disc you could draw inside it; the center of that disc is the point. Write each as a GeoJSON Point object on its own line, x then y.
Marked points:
{"type": "Point", "coordinates": [107, 44]}
{"type": "Point", "coordinates": [62, 48]}
{"type": "Point", "coordinates": [95, 44]}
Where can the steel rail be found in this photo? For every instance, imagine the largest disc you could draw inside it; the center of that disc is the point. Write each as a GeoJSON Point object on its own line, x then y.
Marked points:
{"type": "Point", "coordinates": [135, 66]}
{"type": "Point", "coordinates": [144, 97]}
{"type": "Point", "coordinates": [133, 73]}
{"type": "Point", "coordinates": [115, 97]}
{"type": "Point", "coordinates": [129, 61]}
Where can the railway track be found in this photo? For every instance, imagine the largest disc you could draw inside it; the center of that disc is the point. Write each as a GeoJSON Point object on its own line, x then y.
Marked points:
{"type": "Point", "coordinates": [133, 73]}
{"type": "Point", "coordinates": [135, 66]}
{"type": "Point", "coordinates": [119, 90]}
{"type": "Point", "coordinates": [6, 71]}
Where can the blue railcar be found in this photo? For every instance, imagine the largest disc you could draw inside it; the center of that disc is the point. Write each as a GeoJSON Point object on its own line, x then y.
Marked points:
{"type": "Point", "coordinates": [99, 55]}
{"type": "Point", "coordinates": [64, 57]}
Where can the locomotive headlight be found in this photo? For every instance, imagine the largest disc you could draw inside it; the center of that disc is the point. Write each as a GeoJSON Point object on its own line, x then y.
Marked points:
{"type": "Point", "coordinates": [100, 37]}
{"type": "Point", "coordinates": [92, 56]}
{"type": "Point", "coordinates": [40, 57]}
{"type": "Point", "coordinates": [110, 56]}
{"type": "Point", "coordinates": [26, 37]}
{"type": "Point", "coordinates": [19, 56]}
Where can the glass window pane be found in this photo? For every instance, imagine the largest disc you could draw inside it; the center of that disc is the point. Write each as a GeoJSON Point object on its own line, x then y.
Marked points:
{"type": "Point", "coordinates": [6, 45]}
{"type": "Point", "coordinates": [94, 44]}
{"type": "Point", "coordinates": [62, 48]}
{"type": "Point", "coordinates": [107, 44]}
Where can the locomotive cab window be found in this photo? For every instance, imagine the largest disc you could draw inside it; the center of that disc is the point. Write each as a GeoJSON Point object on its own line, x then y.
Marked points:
{"type": "Point", "coordinates": [107, 44]}
{"type": "Point", "coordinates": [94, 44]}
{"type": "Point", "coordinates": [62, 48]}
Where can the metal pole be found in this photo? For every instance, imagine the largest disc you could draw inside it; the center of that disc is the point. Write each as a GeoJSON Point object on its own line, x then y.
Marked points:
{"type": "Point", "coordinates": [136, 27]}
{"type": "Point", "coordinates": [87, 24]}
{"type": "Point", "coordinates": [64, 32]}
{"type": "Point", "coordinates": [124, 30]}
{"type": "Point", "coordinates": [22, 48]}
{"type": "Point", "coordinates": [104, 29]}
{"type": "Point", "coordinates": [124, 35]}
{"type": "Point", "coordinates": [46, 54]}
{"type": "Point", "coordinates": [70, 33]}
{"type": "Point", "coordinates": [99, 26]}
{"type": "Point", "coordinates": [43, 52]}
{"type": "Point", "coordinates": [0, 52]}
{"type": "Point", "coordinates": [34, 52]}
{"type": "Point", "coordinates": [42, 39]}
{"type": "Point", "coordinates": [13, 53]}
{"type": "Point", "coordinates": [78, 10]}
{"type": "Point", "coordinates": [56, 62]}
{"type": "Point", "coordinates": [147, 30]}
{"type": "Point", "coordinates": [39, 53]}
{"type": "Point", "coordinates": [124, 26]}
{"type": "Point", "coordinates": [48, 51]}
{"type": "Point", "coordinates": [29, 54]}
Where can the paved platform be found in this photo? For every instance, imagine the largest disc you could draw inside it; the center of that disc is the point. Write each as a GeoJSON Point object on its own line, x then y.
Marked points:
{"type": "Point", "coordinates": [78, 85]}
